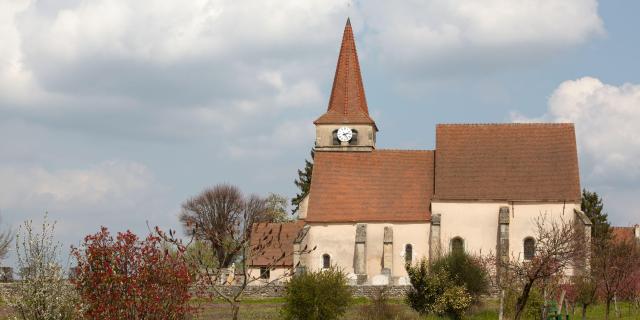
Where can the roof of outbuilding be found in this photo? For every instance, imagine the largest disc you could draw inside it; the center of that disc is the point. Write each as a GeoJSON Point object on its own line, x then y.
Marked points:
{"type": "Point", "coordinates": [347, 103]}
{"type": "Point", "coordinates": [621, 234]}
{"type": "Point", "coordinates": [381, 185]}
{"type": "Point", "coordinates": [270, 241]}
{"type": "Point", "coordinates": [516, 161]}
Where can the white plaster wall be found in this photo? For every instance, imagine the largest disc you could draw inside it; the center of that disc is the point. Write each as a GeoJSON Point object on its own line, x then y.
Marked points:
{"type": "Point", "coordinates": [302, 209]}
{"type": "Point", "coordinates": [338, 240]}
{"type": "Point", "coordinates": [523, 221]}
{"type": "Point", "coordinates": [273, 275]}
{"type": "Point", "coordinates": [477, 222]}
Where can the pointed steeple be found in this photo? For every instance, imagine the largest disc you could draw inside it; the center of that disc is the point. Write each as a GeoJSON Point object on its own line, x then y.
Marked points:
{"type": "Point", "coordinates": [347, 104]}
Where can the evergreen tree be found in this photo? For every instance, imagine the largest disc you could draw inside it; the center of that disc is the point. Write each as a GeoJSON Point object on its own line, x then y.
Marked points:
{"type": "Point", "coordinates": [592, 206]}
{"type": "Point", "coordinates": [303, 183]}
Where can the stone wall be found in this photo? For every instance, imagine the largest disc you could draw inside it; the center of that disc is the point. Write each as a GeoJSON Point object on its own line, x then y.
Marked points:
{"type": "Point", "coordinates": [274, 291]}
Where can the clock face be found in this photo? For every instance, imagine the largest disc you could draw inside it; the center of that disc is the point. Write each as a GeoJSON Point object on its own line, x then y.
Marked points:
{"type": "Point", "coordinates": [345, 134]}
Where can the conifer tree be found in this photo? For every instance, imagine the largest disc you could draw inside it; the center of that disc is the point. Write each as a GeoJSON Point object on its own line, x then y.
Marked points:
{"type": "Point", "coordinates": [303, 182]}
{"type": "Point", "coordinates": [592, 206]}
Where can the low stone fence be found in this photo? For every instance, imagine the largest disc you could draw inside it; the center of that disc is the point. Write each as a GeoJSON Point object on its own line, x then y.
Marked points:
{"type": "Point", "coordinates": [274, 291]}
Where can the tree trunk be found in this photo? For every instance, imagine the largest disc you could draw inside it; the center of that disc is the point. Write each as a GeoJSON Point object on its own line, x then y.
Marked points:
{"type": "Point", "coordinates": [522, 300]}
{"type": "Point", "coordinates": [501, 311]}
{"type": "Point", "coordinates": [235, 310]}
{"type": "Point", "coordinates": [607, 309]}
{"type": "Point", "coordinates": [584, 311]}
{"type": "Point", "coordinates": [615, 305]}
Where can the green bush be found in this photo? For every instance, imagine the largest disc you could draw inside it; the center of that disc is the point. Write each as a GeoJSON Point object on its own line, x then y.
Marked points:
{"type": "Point", "coordinates": [434, 291]}
{"type": "Point", "coordinates": [321, 295]}
{"type": "Point", "coordinates": [532, 310]}
{"type": "Point", "coordinates": [465, 271]}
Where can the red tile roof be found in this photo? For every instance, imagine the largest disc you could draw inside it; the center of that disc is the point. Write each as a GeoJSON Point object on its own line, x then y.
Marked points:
{"type": "Point", "coordinates": [381, 185]}
{"type": "Point", "coordinates": [506, 162]}
{"type": "Point", "coordinates": [271, 240]}
{"type": "Point", "coordinates": [348, 103]}
{"type": "Point", "coordinates": [621, 234]}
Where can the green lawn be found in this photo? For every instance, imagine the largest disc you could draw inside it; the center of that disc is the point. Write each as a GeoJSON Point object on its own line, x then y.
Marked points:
{"type": "Point", "coordinates": [269, 309]}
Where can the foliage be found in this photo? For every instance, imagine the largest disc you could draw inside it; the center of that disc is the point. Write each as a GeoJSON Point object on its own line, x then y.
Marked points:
{"type": "Point", "coordinates": [321, 295]}
{"type": "Point", "coordinates": [592, 206]}
{"type": "Point", "coordinates": [276, 207]}
{"type": "Point", "coordinates": [434, 291]}
{"type": "Point", "coordinates": [531, 309]}
{"type": "Point", "coordinates": [303, 182]}
{"type": "Point", "coordinates": [465, 271]}
{"type": "Point", "coordinates": [198, 254]}
{"type": "Point", "coordinates": [129, 278]}
{"type": "Point", "coordinates": [582, 291]}
{"type": "Point", "coordinates": [222, 217]}
{"type": "Point", "coordinates": [43, 293]}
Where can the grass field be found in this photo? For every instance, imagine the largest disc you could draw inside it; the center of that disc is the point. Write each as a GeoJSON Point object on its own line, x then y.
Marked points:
{"type": "Point", "coordinates": [269, 309]}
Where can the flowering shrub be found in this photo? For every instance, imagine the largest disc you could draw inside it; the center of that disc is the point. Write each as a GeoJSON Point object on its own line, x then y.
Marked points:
{"type": "Point", "coordinates": [43, 293]}
{"type": "Point", "coordinates": [125, 278]}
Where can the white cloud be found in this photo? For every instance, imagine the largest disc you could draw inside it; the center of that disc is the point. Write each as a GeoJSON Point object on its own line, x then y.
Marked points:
{"type": "Point", "coordinates": [223, 60]}
{"type": "Point", "coordinates": [284, 137]}
{"type": "Point", "coordinates": [15, 78]}
{"type": "Point", "coordinates": [102, 184]}
{"type": "Point", "coordinates": [467, 35]}
{"type": "Point", "coordinates": [606, 119]}
{"type": "Point", "coordinates": [118, 194]}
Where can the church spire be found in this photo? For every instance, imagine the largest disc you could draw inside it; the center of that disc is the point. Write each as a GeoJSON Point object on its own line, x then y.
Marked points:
{"type": "Point", "coordinates": [347, 104]}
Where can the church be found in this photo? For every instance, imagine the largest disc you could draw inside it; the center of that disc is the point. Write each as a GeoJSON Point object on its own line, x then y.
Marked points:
{"type": "Point", "coordinates": [370, 211]}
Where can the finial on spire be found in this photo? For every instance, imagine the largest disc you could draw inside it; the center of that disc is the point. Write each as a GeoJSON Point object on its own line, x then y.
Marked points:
{"type": "Point", "coordinates": [348, 21]}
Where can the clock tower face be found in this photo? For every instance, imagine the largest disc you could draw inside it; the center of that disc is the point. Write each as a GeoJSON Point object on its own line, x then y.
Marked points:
{"type": "Point", "coordinates": [345, 134]}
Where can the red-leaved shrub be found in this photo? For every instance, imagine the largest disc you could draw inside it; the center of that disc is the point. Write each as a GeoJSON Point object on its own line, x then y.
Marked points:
{"type": "Point", "coordinates": [129, 278]}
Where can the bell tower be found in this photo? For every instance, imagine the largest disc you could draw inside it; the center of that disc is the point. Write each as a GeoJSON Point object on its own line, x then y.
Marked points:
{"type": "Point", "coordinates": [346, 126]}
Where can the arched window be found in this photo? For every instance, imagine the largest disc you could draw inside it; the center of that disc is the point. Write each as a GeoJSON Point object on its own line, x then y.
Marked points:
{"type": "Point", "coordinates": [408, 254]}
{"type": "Point", "coordinates": [334, 136]}
{"type": "Point", "coordinates": [326, 261]}
{"type": "Point", "coordinates": [529, 248]}
{"type": "Point", "coordinates": [354, 138]}
{"type": "Point", "coordinates": [457, 245]}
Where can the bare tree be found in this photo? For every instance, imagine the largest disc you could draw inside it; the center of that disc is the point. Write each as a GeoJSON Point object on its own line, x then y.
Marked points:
{"type": "Point", "coordinates": [586, 289]}
{"type": "Point", "coordinates": [6, 237]}
{"type": "Point", "coordinates": [615, 268]}
{"type": "Point", "coordinates": [221, 217]}
{"type": "Point", "coordinates": [559, 246]}
{"type": "Point", "coordinates": [224, 219]}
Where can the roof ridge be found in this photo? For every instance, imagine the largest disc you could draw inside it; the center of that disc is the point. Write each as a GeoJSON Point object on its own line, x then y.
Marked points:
{"type": "Point", "coordinates": [507, 124]}
{"type": "Point", "coordinates": [403, 150]}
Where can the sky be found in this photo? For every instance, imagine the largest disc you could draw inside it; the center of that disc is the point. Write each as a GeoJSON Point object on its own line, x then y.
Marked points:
{"type": "Point", "coordinates": [114, 112]}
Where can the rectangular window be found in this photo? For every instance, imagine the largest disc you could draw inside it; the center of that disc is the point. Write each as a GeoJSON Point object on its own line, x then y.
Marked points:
{"type": "Point", "coordinates": [265, 273]}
